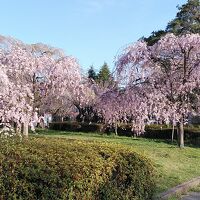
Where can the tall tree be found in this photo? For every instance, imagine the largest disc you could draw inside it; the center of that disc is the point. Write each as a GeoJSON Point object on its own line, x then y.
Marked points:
{"type": "Point", "coordinates": [154, 37]}
{"type": "Point", "coordinates": [168, 71]}
{"type": "Point", "coordinates": [104, 76]}
{"type": "Point", "coordinates": [20, 66]}
{"type": "Point", "coordinates": [128, 105]}
{"type": "Point", "coordinates": [92, 74]}
{"type": "Point", "coordinates": [187, 20]}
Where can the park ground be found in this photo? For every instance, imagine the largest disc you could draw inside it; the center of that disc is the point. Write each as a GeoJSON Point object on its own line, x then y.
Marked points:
{"type": "Point", "coordinates": [173, 165]}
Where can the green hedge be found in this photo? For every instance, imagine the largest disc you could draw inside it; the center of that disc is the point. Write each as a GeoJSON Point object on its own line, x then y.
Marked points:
{"type": "Point", "coordinates": [157, 131]}
{"type": "Point", "coordinates": [76, 126]}
{"type": "Point", "coordinates": [123, 130]}
{"type": "Point", "coordinates": [50, 168]}
{"type": "Point", "coordinates": [165, 132]}
{"type": "Point", "coordinates": [154, 131]}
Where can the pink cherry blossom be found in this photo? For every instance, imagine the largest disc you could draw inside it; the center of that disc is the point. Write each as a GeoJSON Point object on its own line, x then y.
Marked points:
{"type": "Point", "coordinates": [160, 82]}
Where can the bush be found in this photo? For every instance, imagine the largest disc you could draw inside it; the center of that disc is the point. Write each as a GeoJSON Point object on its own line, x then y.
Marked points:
{"type": "Point", "coordinates": [47, 168]}
{"type": "Point", "coordinates": [165, 132]}
{"type": "Point", "coordinates": [76, 126]}
{"type": "Point", "coordinates": [123, 129]}
{"type": "Point", "coordinates": [154, 131]}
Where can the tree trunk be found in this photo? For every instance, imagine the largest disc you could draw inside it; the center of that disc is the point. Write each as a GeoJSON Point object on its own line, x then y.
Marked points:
{"type": "Point", "coordinates": [173, 133]}
{"type": "Point", "coordinates": [17, 128]}
{"type": "Point", "coordinates": [116, 133]}
{"type": "Point", "coordinates": [180, 134]}
{"type": "Point", "coordinates": [25, 129]}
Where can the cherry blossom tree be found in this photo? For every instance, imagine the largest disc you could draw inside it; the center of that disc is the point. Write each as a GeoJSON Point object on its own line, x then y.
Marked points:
{"type": "Point", "coordinates": [41, 78]}
{"type": "Point", "coordinates": [59, 81]}
{"type": "Point", "coordinates": [127, 105]}
{"type": "Point", "coordinates": [168, 71]}
{"type": "Point", "coordinates": [87, 99]}
{"type": "Point", "coordinates": [18, 67]}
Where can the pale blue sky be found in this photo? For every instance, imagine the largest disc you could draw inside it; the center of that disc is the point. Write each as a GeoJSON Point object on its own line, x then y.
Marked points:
{"type": "Point", "coordinates": [91, 30]}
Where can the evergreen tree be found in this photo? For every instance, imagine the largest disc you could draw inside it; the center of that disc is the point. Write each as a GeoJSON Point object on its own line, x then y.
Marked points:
{"type": "Point", "coordinates": [104, 75]}
{"type": "Point", "coordinates": [187, 19]}
{"type": "Point", "coordinates": [154, 37]}
{"type": "Point", "coordinates": [92, 73]}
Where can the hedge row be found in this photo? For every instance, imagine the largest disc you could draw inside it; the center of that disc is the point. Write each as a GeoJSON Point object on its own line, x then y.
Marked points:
{"type": "Point", "coordinates": [165, 132]}
{"type": "Point", "coordinates": [76, 126]}
{"type": "Point", "coordinates": [50, 168]}
{"type": "Point", "coordinates": [151, 131]}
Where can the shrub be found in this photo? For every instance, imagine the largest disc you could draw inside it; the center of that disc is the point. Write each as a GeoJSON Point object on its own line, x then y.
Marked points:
{"type": "Point", "coordinates": [123, 129]}
{"type": "Point", "coordinates": [47, 168]}
{"type": "Point", "coordinates": [76, 126]}
{"type": "Point", "coordinates": [154, 131]}
{"type": "Point", "coordinates": [165, 132]}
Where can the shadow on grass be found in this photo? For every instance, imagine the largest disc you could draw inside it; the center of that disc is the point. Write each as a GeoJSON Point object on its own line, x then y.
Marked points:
{"type": "Point", "coordinates": [92, 135]}
{"type": "Point", "coordinates": [188, 143]}
{"type": "Point", "coordinates": [111, 136]}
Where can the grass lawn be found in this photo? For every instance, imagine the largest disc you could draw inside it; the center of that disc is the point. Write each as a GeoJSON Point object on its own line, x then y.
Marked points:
{"type": "Point", "coordinates": [173, 165]}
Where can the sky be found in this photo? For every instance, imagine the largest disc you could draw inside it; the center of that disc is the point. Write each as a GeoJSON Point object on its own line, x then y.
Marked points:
{"type": "Point", "coordinates": [93, 31]}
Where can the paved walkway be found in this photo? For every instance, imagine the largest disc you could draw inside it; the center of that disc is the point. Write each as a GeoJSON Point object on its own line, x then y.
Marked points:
{"type": "Point", "coordinates": [181, 189]}
{"type": "Point", "coordinates": [192, 196]}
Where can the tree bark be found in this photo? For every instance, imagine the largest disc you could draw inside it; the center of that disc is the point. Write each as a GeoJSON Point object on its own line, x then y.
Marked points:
{"type": "Point", "coordinates": [25, 129]}
{"type": "Point", "coordinates": [116, 133]}
{"type": "Point", "coordinates": [173, 133]}
{"type": "Point", "coordinates": [180, 134]}
{"type": "Point", "coordinates": [18, 128]}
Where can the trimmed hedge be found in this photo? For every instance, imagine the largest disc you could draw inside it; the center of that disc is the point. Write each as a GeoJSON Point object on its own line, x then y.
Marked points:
{"type": "Point", "coordinates": [154, 131]}
{"type": "Point", "coordinates": [165, 132]}
{"type": "Point", "coordinates": [50, 168]}
{"type": "Point", "coordinates": [76, 126]}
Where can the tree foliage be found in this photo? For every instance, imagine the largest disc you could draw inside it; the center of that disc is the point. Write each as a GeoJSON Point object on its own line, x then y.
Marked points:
{"type": "Point", "coordinates": [92, 74]}
{"type": "Point", "coordinates": [161, 82]}
{"type": "Point", "coordinates": [36, 76]}
{"type": "Point", "coordinates": [154, 37]}
{"type": "Point", "coordinates": [104, 76]}
{"type": "Point", "coordinates": [187, 20]}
